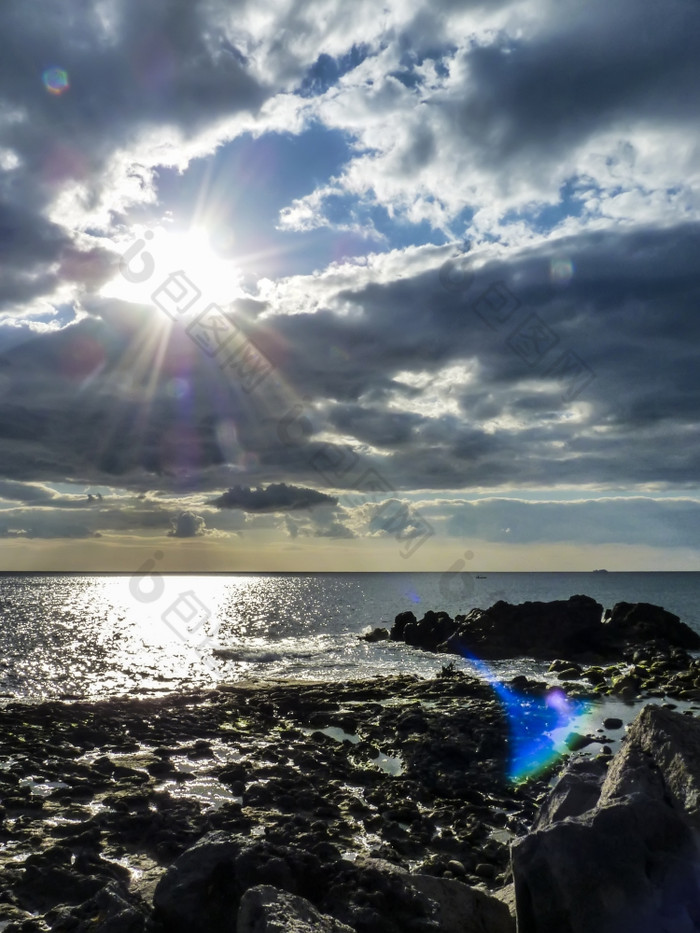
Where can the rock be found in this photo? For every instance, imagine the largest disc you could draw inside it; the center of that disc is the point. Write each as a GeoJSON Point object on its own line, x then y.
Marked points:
{"type": "Point", "coordinates": [506, 895]}
{"type": "Point", "coordinates": [377, 634]}
{"type": "Point", "coordinates": [463, 908]}
{"type": "Point", "coordinates": [634, 623]}
{"type": "Point", "coordinates": [629, 867]}
{"type": "Point", "coordinates": [669, 744]}
{"type": "Point", "coordinates": [265, 909]}
{"type": "Point", "coordinates": [575, 741]}
{"type": "Point", "coordinates": [570, 673]}
{"type": "Point", "coordinates": [577, 791]}
{"type": "Point", "coordinates": [612, 722]}
{"type": "Point", "coordinates": [534, 629]}
{"type": "Point", "coordinates": [457, 907]}
{"type": "Point", "coordinates": [630, 863]}
{"type": "Point", "coordinates": [203, 887]}
{"type": "Point", "coordinates": [400, 623]}
{"type": "Point", "coordinates": [575, 629]}
{"type": "Point", "coordinates": [111, 910]}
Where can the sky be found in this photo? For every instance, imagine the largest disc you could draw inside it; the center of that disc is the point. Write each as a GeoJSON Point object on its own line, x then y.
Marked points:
{"type": "Point", "coordinates": [318, 286]}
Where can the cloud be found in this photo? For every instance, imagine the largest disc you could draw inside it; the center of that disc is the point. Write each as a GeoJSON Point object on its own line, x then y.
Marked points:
{"type": "Point", "coordinates": [561, 140]}
{"type": "Point", "coordinates": [665, 523]}
{"type": "Point", "coordinates": [188, 525]}
{"type": "Point", "coordinates": [277, 497]}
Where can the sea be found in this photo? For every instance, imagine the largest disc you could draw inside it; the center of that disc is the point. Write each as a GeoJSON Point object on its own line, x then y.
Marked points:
{"type": "Point", "coordinates": [71, 636]}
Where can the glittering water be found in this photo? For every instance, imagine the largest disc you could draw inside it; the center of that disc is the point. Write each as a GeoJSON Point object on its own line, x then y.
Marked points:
{"type": "Point", "coordinates": [106, 635]}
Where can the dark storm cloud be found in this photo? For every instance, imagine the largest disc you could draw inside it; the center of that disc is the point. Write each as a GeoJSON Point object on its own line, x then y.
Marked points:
{"type": "Point", "coordinates": [277, 497]}
{"type": "Point", "coordinates": [163, 64]}
{"type": "Point", "coordinates": [629, 312]}
{"type": "Point", "coordinates": [77, 404]}
{"type": "Point", "coordinates": [582, 71]}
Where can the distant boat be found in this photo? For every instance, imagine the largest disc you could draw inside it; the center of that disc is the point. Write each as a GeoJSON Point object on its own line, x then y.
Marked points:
{"type": "Point", "coordinates": [600, 571]}
{"type": "Point", "coordinates": [480, 576]}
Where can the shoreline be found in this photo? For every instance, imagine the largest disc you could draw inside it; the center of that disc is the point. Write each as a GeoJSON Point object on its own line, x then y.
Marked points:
{"type": "Point", "coordinates": [362, 789]}
{"type": "Point", "coordinates": [413, 776]}
{"type": "Point", "coordinates": [405, 769]}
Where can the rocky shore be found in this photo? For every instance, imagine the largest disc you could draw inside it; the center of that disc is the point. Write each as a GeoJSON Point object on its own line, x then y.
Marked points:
{"type": "Point", "coordinates": [370, 806]}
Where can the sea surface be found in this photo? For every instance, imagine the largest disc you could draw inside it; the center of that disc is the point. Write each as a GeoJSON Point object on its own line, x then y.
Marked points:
{"type": "Point", "coordinates": [69, 636]}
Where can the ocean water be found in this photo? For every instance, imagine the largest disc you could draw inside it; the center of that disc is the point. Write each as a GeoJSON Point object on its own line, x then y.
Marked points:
{"type": "Point", "coordinates": [98, 636]}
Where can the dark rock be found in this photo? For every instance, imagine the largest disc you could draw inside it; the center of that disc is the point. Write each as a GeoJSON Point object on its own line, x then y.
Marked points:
{"type": "Point", "coordinates": [630, 863]}
{"type": "Point", "coordinates": [377, 634]}
{"type": "Point", "coordinates": [453, 906]}
{"type": "Point", "coordinates": [572, 629]}
{"type": "Point", "coordinates": [400, 623]}
{"type": "Point", "coordinates": [640, 622]}
{"type": "Point", "coordinates": [575, 741]}
{"type": "Point", "coordinates": [111, 910]}
{"type": "Point", "coordinates": [202, 888]}
{"type": "Point", "coordinates": [534, 629]}
{"type": "Point", "coordinates": [612, 722]}
{"type": "Point", "coordinates": [265, 909]}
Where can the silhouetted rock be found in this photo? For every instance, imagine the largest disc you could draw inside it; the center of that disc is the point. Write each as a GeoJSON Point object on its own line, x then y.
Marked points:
{"type": "Point", "coordinates": [635, 623]}
{"type": "Point", "coordinates": [377, 634]}
{"type": "Point", "coordinates": [561, 629]}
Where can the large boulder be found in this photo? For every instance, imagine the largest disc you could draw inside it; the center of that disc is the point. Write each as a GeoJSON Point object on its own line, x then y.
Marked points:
{"type": "Point", "coordinates": [630, 863]}
{"type": "Point", "coordinates": [626, 867]}
{"type": "Point", "coordinates": [456, 907]}
{"type": "Point", "coordinates": [203, 887]}
{"type": "Point", "coordinates": [265, 909]}
{"type": "Point", "coordinates": [661, 758]}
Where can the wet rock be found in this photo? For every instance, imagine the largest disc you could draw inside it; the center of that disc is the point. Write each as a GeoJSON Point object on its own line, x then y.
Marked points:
{"type": "Point", "coordinates": [377, 634]}
{"type": "Point", "coordinates": [110, 910]}
{"type": "Point", "coordinates": [572, 629]}
{"type": "Point", "coordinates": [264, 909]}
{"type": "Point", "coordinates": [612, 722]}
{"type": "Point", "coordinates": [575, 741]}
{"type": "Point", "coordinates": [400, 622]}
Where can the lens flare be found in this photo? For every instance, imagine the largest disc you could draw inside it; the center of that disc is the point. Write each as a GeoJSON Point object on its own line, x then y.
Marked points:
{"type": "Point", "coordinates": [561, 271]}
{"type": "Point", "coordinates": [537, 726]}
{"type": "Point", "coordinates": [56, 80]}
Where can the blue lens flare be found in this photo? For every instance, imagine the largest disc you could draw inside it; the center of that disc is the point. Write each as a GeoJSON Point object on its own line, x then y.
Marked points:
{"type": "Point", "coordinates": [537, 725]}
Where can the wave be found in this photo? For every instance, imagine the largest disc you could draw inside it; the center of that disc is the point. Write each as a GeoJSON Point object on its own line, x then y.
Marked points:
{"type": "Point", "coordinates": [265, 654]}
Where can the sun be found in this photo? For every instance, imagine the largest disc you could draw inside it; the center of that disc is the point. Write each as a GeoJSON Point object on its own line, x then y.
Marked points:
{"type": "Point", "coordinates": [155, 256]}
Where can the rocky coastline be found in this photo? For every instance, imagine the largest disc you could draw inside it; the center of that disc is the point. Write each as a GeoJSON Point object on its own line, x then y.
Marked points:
{"type": "Point", "coordinates": [370, 806]}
